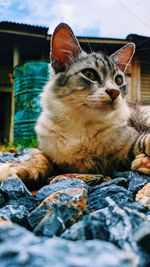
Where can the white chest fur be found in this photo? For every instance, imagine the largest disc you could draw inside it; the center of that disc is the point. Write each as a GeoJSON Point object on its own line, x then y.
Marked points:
{"type": "Point", "coordinates": [74, 143]}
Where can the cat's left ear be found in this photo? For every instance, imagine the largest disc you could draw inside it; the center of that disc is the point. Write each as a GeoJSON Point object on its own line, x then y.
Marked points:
{"type": "Point", "coordinates": [64, 47]}
{"type": "Point", "coordinates": [123, 56]}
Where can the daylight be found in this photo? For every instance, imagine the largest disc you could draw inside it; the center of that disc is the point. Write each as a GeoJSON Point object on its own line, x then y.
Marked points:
{"type": "Point", "coordinates": [74, 133]}
{"type": "Point", "coordinates": [98, 18]}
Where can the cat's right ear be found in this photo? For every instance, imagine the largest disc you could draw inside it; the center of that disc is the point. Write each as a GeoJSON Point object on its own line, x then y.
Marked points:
{"type": "Point", "coordinates": [123, 56]}
{"type": "Point", "coordinates": [64, 47]}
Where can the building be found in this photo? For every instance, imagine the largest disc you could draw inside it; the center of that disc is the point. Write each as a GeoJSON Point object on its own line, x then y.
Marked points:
{"type": "Point", "coordinates": [21, 43]}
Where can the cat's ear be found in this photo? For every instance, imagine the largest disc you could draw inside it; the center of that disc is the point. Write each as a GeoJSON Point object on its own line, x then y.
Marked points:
{"type": "Point", "coordinates": [123, 56]}
{"type": "Point", "coordinates": [64, 47]}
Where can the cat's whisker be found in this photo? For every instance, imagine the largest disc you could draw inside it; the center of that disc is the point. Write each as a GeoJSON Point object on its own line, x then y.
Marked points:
{"type": "Point", "coordinates": [93, 98]}
{"type": "Point", "coordinates": [74, 109]}
{"type": "Point", "coordinates": [89, 45]}
{"type": "Point", "coordinates": [73, 98]}
{"type": "Point", "coordinates": [67, 97]}
{"type": "Point", "coordinates": [70, 97]}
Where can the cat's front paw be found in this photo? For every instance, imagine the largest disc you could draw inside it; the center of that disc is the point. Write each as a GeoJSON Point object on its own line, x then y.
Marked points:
{"type": "Point", "coordinates": [7, 170]}
{"type": "Point", "coordinates": [141, 164]}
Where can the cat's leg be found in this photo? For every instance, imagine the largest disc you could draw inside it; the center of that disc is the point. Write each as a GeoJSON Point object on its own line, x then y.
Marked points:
{"type": "Point", "coordinates": [140, 118]}
{"type": "Point", "coordinates": [142, 161]}
{"type": "Point", "coordinates": [31, 168]}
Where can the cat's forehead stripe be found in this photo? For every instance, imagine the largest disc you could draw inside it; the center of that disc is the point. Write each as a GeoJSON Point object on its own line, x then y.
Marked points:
{"type": "Point", "coordinates": [100, 60]}
{"type": "Point", "coordinates": [105, 63]}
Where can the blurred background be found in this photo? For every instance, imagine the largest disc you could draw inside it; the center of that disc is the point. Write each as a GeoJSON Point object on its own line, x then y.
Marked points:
{"type": "Point", "coordinates": [26, 27]}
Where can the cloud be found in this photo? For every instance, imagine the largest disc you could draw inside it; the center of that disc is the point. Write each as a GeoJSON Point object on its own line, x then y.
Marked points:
{"type": "Point", "coordinates": [99, 18]}
{"type": "Point", "coordinates": [5, 3]}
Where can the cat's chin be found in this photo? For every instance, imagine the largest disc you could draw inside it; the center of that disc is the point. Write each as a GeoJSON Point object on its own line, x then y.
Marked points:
{"type": "Point", "coordinates": [101, 106]}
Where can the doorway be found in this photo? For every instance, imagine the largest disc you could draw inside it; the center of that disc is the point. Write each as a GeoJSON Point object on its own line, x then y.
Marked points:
{"type": "Point", "coordinates": [5, 116]}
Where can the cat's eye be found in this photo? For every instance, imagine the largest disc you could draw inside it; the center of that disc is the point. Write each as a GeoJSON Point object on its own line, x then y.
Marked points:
{"type": "Point", "coordinates": [119, 79]}
{"type": "Point", "coordinates": [91, 74]}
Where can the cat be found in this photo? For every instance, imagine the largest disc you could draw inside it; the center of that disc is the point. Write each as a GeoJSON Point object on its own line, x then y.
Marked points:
{"type": "Point", "coordinates": [86, 125]}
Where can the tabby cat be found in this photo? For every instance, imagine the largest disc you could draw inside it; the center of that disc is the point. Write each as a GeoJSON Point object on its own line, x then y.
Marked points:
{"type": "Point", "coordinates": [86, 125]}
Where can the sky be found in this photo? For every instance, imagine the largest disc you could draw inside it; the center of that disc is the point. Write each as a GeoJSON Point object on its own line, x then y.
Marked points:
{"type": "Point", "coordinates": [88, 18]}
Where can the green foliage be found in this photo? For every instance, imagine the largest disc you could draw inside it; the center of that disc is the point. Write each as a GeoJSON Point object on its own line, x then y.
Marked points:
{"type": "Point", "coordinates": [30, 143]}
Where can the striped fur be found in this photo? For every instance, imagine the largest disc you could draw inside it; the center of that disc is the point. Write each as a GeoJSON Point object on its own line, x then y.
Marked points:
{"type": "Point", "coordinates": [81, 129]}
{"type": "Point", "coordinates": [86, 125]}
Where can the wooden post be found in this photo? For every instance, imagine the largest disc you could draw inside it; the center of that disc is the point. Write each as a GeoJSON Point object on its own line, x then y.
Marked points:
{"type": "Point", "coordinates": [11, 133]}
{"type": "Point", "coordinates": [16, 56]}
{"type": "Point", "coordinates": [134, 94]}
{"type": "Point", "coordinates": [16, 61]}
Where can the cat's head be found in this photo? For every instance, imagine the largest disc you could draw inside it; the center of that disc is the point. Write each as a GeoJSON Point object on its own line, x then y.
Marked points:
{"type": "Point", "coordinates": [87, 82]}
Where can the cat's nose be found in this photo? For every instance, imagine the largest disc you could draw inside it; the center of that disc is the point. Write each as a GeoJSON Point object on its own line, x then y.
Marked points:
{"type": "Point", "coordinates": [113, 93]}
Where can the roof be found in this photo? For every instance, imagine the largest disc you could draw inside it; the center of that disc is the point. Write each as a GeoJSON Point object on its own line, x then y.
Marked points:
{"type": "Point", "coordinates": [83, 39]}
{"type": "Point", "coordinates": [13, 27]}
{"type": "Point", "coordinates": [138, 39]}
{"type": "Point", "coordinates": [39, 37]}
{"type": "Point", "coordinates": [142, 46]}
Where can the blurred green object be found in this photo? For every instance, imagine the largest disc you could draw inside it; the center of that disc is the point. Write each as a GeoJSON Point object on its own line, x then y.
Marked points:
{"type": "Point", "coordinates": [29, 80]}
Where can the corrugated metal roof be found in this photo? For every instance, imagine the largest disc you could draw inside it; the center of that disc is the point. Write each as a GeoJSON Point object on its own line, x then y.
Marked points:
{"type": "Point", "coordinates": [142, 46]}
{"type": "Point", "coordinates": [8, 25]}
